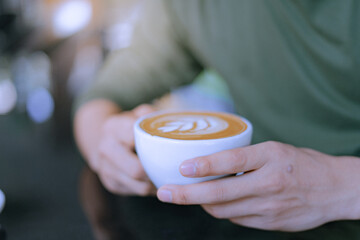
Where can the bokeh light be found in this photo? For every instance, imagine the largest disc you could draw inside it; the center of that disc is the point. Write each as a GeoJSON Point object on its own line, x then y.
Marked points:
{"type": "Point", "coordinates": [71, 16]}
{"type": "Point", "coordinates": [40, 105]}
{"type": "Point", "coordinates": [8, 96]}
{"type": "Point", "coordinates": [2, 200]}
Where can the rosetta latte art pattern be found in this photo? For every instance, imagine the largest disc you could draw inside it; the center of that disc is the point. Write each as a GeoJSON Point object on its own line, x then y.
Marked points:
{"type": "Point", "coordinates": [190, 125]}
{"type": "Point", "coordinates": [194, 125]}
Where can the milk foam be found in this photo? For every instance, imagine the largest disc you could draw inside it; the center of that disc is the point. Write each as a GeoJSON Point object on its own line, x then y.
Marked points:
{"type": "Point", "coordinates": [193, 125]}
{"type": "Point", "coordinates": [190, 125]}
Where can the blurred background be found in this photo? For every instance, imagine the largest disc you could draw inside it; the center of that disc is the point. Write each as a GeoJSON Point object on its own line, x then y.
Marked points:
{"type": "Point", "coordinates": [50, 50]}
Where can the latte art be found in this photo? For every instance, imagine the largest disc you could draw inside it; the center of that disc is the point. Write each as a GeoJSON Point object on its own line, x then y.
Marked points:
{"type": "Point", "coordinates": [193, 126]}
{"type": "Point", "coordinates": [190, 125]}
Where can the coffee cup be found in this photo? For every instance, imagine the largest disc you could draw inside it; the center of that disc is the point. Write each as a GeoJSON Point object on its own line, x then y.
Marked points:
{"type": "Point", "coordinates": [163, 140]}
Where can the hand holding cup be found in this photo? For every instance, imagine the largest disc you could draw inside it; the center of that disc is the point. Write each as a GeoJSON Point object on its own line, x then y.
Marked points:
{"type": "Point", "coordinates": [163, 140]}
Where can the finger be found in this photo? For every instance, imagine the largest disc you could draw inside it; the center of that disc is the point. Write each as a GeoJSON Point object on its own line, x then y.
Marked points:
{"type": "Point", "coordinates": [122, 159]}
{"type": "Point", "coordinates": [265, 223]}
{"type": "Point", "coordinates": [121, 127]}
{"type": "Point", "coordinates": [118, 188]}
{"type": "Point", "coordinates": [153, 190]}
{"type": "Point", "coordinates": [119, 183]}
{"type": "Point", "coordinates": [124, 127]}
{"type": "Point", "coordinates": [143, 110]}
{"type": "Point", "coordinates": [111, 186]}
{"type": "Point", "coordinates": [226, 162]}
{"type": "Point", "coordinates": [252, 221]}
{"type": "Point", "coordinates": [238, 208]}
{"type": "Point", "coordinates": [212, 192]}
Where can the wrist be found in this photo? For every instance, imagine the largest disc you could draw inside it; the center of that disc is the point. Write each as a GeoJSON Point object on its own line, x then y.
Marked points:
{"type": "Point", "coordinates": [347, 194]}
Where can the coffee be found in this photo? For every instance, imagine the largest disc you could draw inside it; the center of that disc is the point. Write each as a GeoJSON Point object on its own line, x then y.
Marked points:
{"type": "Point", "coordinates": [194, 125]}
{"type": "Point", "coordinates": [163, 140]}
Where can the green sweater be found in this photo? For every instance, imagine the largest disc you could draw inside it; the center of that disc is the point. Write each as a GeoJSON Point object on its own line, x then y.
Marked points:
{"type": "Point", "coordinates": [292, 66]}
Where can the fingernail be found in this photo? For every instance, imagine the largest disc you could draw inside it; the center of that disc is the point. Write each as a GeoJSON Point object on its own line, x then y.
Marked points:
{"type": "Point", "coordinates": [188, 169]}
{"type": "Point", "coordinates": [165, 195]}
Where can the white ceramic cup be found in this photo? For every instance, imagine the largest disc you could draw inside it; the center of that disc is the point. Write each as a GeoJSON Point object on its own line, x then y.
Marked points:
{"type": "Point", "coordinates": [161, 157]}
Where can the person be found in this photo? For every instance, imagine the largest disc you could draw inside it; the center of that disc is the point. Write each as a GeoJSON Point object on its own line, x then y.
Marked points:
{"type": "Point", "coordinates": [292, 68]}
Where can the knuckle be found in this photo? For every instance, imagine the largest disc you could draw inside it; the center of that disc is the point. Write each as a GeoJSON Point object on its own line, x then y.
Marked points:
{"type": "Point", "coordinates": [181, 196]}
{"type": "Point", "coordinates": [240, 159]}
{"type": "Point", "coordinates": [218, 192]}
{"type": "Point", "coordinates": [278, 150]}
{"type": "Point", "coordinates": [272, 144]}
{"type": "Point", "coordinates": [111, 188]}
{"type": "Point", "coordinates": [109, 185]}
{"type": "Point", "coordinates": [143, 109]}
{"type": "Point", "coordinates": [204, 165]}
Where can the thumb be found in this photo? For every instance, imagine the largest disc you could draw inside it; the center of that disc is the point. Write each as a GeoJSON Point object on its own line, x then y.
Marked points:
{"type": "Point", "coordinates": [143, 110]}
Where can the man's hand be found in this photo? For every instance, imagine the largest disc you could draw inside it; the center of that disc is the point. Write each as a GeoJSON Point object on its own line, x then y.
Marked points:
{"type": "Point", "coordinates": [284, 188]}
{"type": "Point", "coordinates": [116, 162]}
{"type": "Point", "coordinates": [105, 137]}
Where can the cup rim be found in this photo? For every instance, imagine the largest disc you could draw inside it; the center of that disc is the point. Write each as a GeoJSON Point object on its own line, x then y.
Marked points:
{"type": "Point", "coordinates": [137, 127]}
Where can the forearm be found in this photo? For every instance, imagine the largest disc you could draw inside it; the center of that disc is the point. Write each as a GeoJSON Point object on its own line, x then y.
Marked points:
{"type": "Point", "coordinates": [88, 124]}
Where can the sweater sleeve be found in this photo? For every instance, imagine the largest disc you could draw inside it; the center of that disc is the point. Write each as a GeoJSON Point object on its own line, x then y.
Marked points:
{"type": "Point", "coordinates": [155, 62]}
